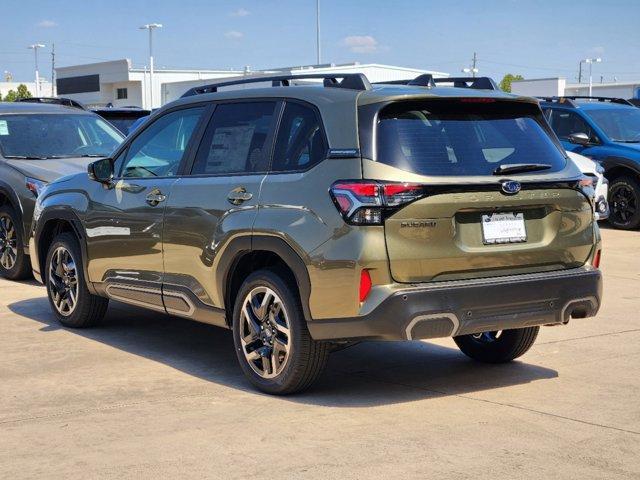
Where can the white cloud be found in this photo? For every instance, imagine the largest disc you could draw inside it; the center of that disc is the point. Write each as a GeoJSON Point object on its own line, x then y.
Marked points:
{"type": "Point", "coordinates": [361, 43]}
{"type": "Point", "coordinates": [234, 35]}
{"type": "Point", "coordinates": [47, 24]}
{"type": "Point", "coordinates": [599, 50]}
{"type": "Point", "coordinates": [241, 12]}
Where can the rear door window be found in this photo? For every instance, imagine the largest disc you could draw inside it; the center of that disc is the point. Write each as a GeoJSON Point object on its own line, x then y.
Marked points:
{"type": "Point", "coordinates": [460, 139]}
{"type": "Point", "coordinates": [236, 139]}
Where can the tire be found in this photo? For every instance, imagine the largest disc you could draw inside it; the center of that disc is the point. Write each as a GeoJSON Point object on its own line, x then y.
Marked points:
{"type": "Point", "coordinates": [300, 359]}
{"type": "Point", "coordinates": [624, 202]}
{"type": "Point", "coordinates": [14, 263]}
{"type": "Point", "coordinates": [498, 347]}
{"type": "Point", "coordinates": [63, 258]}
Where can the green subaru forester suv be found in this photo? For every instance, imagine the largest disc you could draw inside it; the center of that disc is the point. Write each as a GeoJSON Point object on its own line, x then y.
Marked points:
{"type": "Point", "coordinates": [319, 211]}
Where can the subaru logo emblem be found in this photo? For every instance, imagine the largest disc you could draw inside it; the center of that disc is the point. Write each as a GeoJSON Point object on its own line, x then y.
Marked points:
{"type": "Point", "coordinates": [511, 187]}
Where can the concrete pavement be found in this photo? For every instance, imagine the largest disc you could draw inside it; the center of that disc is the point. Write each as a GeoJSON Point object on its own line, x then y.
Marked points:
{"type": "Point", "coordinates": [151, 396]}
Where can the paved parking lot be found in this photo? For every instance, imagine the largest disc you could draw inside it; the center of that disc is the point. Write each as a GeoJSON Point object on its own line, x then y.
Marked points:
{"type": "Point", "coordinates": [149, 396]}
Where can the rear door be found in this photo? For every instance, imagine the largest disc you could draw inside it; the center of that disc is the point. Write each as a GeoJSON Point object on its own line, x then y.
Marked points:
{"type": "Point", "coordinates": [216, 200]}
{"type": "Point", "coordinates": [471, 220]}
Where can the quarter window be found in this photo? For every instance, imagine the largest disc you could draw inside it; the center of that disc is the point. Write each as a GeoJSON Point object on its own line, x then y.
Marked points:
{"type": "Point", "coordinates": [300, 143]}
{"type": "Point", "coordinates": [158, 150]}
{"type": "Point", "coordinates": [235, 141]}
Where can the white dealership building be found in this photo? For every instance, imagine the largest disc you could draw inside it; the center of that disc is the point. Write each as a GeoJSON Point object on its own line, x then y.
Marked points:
{"type": "Point", "coordinates": [119, 83]}
{"type": "Point", "coordinates": [558, 86]}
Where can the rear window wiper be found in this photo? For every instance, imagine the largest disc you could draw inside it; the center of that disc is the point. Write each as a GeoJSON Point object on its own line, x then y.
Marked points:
{"type": "Point", "coordinates": [521, 168]}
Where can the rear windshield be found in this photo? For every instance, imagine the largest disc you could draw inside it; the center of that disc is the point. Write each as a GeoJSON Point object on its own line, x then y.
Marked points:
{"type": "Point", "coordinates": [458, 138]}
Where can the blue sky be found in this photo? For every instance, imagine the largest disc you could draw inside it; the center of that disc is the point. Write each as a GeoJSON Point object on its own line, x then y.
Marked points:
{"type": "Point", "coordinates": [536, 38]}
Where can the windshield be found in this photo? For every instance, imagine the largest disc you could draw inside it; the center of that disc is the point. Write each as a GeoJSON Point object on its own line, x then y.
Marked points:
{"type": "Point", "coordinates": [619, 124]}
{"type": "Point", "coordinates": [56, 136]}
{"type": "Point", "coordinates": [461, 139]}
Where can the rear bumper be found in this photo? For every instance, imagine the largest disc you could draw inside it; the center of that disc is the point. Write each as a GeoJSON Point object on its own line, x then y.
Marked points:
{"type": "Point", "coordinates": [464, 307]}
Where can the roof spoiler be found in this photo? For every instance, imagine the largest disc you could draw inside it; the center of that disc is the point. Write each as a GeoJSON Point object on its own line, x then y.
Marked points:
{"type": "Point", "coordinates": [352, 81]}
{"type": "Point", "coordinates": [427, 80]}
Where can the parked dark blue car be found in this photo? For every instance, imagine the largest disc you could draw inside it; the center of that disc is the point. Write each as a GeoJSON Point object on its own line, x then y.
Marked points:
{"type": "Point", "coordinates": [606, 130]}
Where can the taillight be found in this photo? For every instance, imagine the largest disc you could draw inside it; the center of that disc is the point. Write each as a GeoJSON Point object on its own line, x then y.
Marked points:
{"type": "Point", "coordinates": [365, 284]}
{"type": "Point", "coordinates": [364, 202]}
{"type": "Point", "coordinates": [596, 259]}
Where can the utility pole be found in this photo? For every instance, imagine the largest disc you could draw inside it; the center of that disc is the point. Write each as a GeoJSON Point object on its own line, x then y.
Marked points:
{"type": "Point", "coordinates": [473, 70]}
{"type": "Point", "coordinates": [53, 69]}
{"type": "Point", "coordinates": [580, 71]}
{"type": "Point", "coordinates": [151, 27]}
{"type": "Point", "coordinates": [318, 32]}
{"type": "Point", "coordinates": [473, 67]}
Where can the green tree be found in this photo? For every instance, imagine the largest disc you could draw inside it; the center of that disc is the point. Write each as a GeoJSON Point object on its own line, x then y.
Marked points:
{"type": "Point", "coordinates": [11, 96]}
{"type": "Point", "coordinates": [23, 92]}
{"type": "Point", "coordinates": [505, 83]}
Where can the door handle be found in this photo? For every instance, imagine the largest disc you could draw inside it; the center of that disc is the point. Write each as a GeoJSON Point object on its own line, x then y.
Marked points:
{"type": "Point", "coordinates": [155, 197]}
{"type": "Point", "coordinates": [238, 196]}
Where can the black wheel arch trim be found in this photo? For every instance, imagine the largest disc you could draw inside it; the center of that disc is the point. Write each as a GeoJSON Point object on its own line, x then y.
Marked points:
{"type": "Point", "coordinates": [14, 202]}
{"type": "Point", "coordinates": [240, 246]}
{"type": "Point", "coordinates": [58, 214]}
{"type": "Point", "coordinates": [612, 163]}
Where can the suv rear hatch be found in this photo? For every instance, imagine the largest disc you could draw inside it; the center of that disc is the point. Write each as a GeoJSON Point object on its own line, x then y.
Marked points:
{"type": "Point", "coordinates": [488, 191]}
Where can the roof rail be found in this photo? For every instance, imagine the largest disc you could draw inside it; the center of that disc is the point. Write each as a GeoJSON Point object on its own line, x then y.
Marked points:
{"type": "Point", "coordinates": [54, 101]}
{"type": "Point", "coordinates": [427, 80]}
{"type": "Point", "coordinates": [569, 99]}
{"type": "Point", "coordinates": [621, 101]}
{"type": "Point", "coordinates": [353, 81]}
{"type": "Point", "coordinates": [563, 100]}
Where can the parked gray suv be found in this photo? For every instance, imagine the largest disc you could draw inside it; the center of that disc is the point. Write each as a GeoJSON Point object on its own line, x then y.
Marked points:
{"type": "Point", "coordinates": [38, 144]}
{"type": "Point", "coordinates": [309, 217]}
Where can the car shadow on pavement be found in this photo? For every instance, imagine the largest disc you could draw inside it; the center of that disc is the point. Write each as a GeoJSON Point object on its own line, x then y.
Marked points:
{"type": "Point", "coordinates": [367, 374]}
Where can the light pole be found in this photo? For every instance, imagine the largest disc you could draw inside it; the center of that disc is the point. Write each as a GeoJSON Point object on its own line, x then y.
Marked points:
{"type": "Point", "coordinates": [35, 48]}
{"type": "Point", "coordinates": [591, 61]}
{"type": "Point", "coordinates": [471, 71]}
{"type": "Point", "coordinates": [318, 32]}
{"type": "Point", "coordinates": [151, 27]}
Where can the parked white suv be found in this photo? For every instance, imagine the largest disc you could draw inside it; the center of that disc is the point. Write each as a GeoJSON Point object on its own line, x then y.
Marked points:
{"type": "Point", "coordinates": [601, 185]}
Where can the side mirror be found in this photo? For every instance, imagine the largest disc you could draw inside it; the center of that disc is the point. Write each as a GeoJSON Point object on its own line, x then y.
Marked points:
{"type": "Point", "coordinates": [101, 170]}
{"type": "Point", "coordinates": [579, 139]}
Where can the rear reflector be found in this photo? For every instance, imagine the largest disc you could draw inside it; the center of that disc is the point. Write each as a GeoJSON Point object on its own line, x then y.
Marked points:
{"type": "Point", "coordinates": [596, 259]}
{"type": "Point", "coordinates": [365, 285]}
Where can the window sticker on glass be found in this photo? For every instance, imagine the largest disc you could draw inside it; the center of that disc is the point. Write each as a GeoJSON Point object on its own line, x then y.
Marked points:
{"type": "Point", "coordinates": [230, 148]}
{"type": "Point", "coordinates": [4, 127]}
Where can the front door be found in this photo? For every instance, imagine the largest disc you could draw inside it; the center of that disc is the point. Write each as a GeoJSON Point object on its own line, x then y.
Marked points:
{"type": "Point", "coordinates": [125, 222]}
{"type": "Point", "coordinates": [214, 202]}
